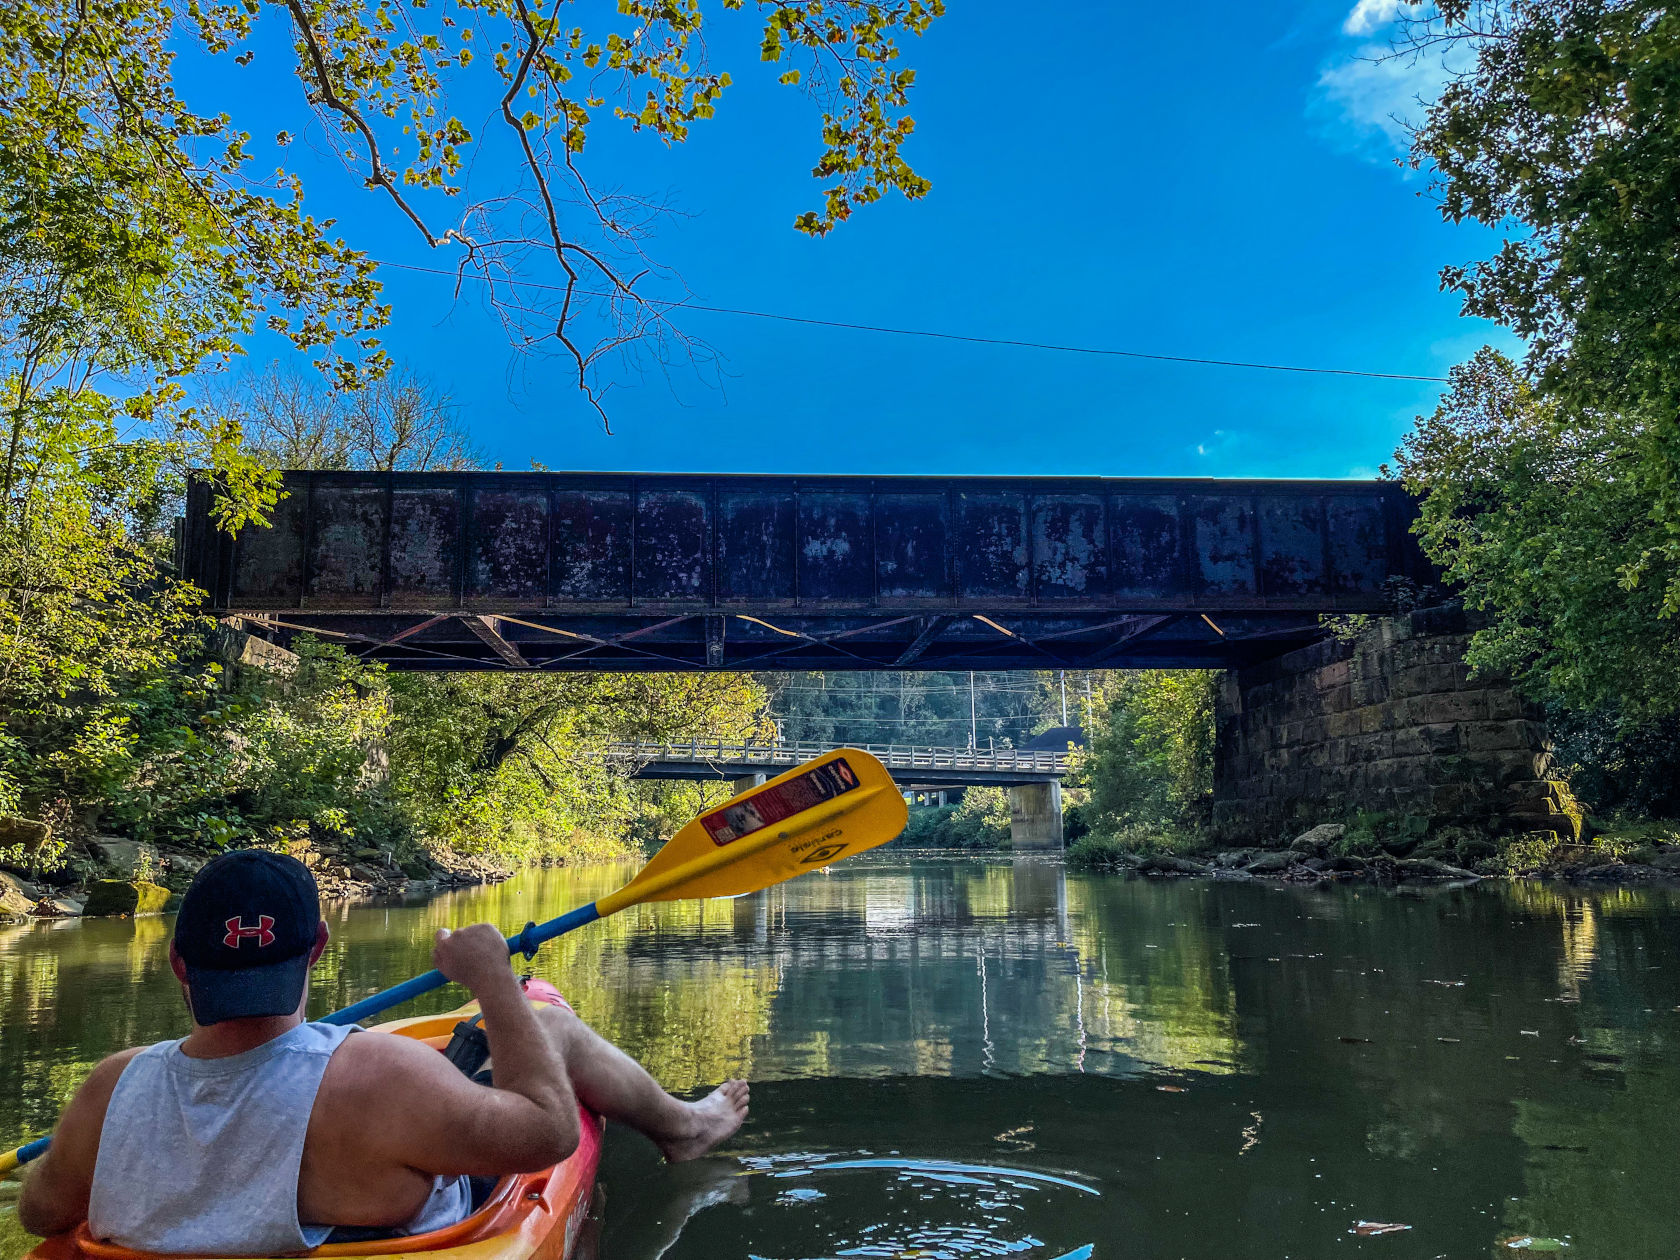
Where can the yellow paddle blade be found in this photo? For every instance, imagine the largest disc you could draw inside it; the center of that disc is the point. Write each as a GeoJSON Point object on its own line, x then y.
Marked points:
{"type": "Point", "coordinates": [841, 803]}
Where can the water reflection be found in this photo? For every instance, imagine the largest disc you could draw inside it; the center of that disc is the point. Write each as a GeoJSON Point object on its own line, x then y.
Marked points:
{"type": "Point", "coordinates": [1237, 1070]}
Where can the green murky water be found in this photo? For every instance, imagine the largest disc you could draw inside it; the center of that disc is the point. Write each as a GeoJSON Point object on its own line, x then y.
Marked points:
{"type": "Point", "coordinates": [965, 1059]}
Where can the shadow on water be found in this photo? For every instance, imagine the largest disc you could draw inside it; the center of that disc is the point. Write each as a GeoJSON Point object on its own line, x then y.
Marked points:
{"type": "Point", "coordinates": [965, 1058]}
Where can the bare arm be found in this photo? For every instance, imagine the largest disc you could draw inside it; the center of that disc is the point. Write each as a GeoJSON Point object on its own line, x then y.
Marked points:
{"type": "Point", "coordinates": [433, 1119]}
{"type": "Point", "coordinates": [56, 1187]}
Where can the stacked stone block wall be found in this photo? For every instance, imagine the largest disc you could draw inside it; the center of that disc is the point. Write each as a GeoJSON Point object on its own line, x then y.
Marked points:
{"type": "Point", "coordinates": [1391, 722]}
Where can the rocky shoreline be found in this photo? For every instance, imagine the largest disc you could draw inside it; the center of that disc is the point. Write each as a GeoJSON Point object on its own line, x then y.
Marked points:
{"type": "Point", "coordinates": [107, 876]}
{"type": "Point", "coordinates": [1313, 858]}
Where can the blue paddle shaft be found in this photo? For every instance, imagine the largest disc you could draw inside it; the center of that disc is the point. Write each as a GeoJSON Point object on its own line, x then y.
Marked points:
{"type": "Point", "coordinates": [524, 942]}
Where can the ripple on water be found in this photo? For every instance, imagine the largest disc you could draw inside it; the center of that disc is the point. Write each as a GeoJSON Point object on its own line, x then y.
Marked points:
{"type": "Point", "coordinates": [888, 1207]}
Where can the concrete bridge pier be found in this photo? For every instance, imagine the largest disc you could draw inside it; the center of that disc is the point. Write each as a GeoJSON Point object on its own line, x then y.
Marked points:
{"type": "Point", "coordinates": [1035, 816]}
{"type": "Point", "coordinates": [747, 782]}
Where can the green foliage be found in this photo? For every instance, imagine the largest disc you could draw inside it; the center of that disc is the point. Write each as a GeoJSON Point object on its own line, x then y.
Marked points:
{"type": "Point", "coordinates": [513, 766]}
{"type": "Point", "coordinates": [979, 821]}
{"type": "Point", "coordinates": [1149, 762]}
{"type": "Point", "coordinates": [271, 759]}
{"type": "Point", "coordinates": [159, 210]}
{"type": "Point", "coordinates": [1537, 520]}
{"type": "Point", "coordinates": [1566, 129]}
{"type": "Point", "coordinates": [140, 249]}
{"type": "Point", "coordinates": [1567, 125]}
{"type": "Point", "coordinates": [1618, 763]}
{"type": "Point", "coordinates": [1103, 851]}
{"type": "Point", "coordinates": [1122, 849]}
{"type": "Point", "coordinates": [133, 235]}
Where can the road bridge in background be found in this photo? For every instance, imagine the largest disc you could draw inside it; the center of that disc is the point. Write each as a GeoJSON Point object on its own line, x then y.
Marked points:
{"type": "Point", "coordinates": [913, 766]}
{"type": "Point", "coordinates": [1032, 775]}
{"type": "Point", "coordinates": [618, 571]}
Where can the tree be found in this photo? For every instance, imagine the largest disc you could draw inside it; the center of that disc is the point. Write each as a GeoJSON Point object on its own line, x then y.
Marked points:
{"type": "Point", "coordinates": [517, 765]}
{"type": "Point", "coordinates": [95, 127]}
{"type": "Point", "coordinates": [1149, 760]}
{"type": "Point", "coordinates": [399, 422]}
{"type": "Point", "coordinates": [1565, 134]}
{"type": "Point", "coordinates": [1536, 517]}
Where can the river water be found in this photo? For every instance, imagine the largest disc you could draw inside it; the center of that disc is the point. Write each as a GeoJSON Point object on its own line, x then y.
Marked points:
{"type": "Point", "coordinates": [956, 1059]}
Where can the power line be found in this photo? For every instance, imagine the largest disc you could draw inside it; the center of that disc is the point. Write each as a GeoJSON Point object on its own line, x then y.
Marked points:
{"type": "Point", "coordinates": [1018, 343]}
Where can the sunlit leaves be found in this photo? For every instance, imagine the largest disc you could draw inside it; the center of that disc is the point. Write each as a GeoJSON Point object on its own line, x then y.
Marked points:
{"type": "Point", "coordinates": [1566, 136]}
{"type": "Point", "coordinates": [1537, 519]}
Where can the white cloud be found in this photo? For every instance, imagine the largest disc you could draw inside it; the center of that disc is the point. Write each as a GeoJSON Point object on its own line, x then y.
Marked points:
{"type": "Point", "coordinates": [1371, 15]}
{"type": "Point", "coordinates": [1222, 444]}
{"type": "Point", "coordinates": [1369, 93]}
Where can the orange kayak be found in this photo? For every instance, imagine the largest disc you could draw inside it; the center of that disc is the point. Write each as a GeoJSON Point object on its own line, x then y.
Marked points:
{"type": "Point", "coordinates": [533, 1216]}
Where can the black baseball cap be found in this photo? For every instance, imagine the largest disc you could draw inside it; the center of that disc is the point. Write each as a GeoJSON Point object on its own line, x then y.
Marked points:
{"type": "Point", "coordinates": [244, 931]}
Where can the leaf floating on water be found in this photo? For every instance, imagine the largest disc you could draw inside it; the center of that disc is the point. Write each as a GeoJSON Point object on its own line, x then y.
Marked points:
{"type": "Point", "coordinates": [1529, 1032]}
{"type": "Point", "coordinates": [1012, 1137]}
{"type": "Point", "coordinates": [1355, 1041]}
{"type": "Point", "coordinates": [1449, 1041]}
{"type": "Point", "coordinates": [1367, 1229]}
{"type": "Point", "coordinates": [1171, 1089]}
{"type": "Point", "coordinates": [1528, 1242]}
{"type": "Point", "coordinates": [1447, 984]}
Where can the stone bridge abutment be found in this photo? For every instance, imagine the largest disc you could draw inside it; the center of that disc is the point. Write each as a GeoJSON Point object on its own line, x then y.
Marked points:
{"type": "Point", "coordinates": [1390, 723]}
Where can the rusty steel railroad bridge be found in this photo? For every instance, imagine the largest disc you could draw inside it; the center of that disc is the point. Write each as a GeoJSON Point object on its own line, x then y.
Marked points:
{"type": "Point", "coordinates": [619, 571]}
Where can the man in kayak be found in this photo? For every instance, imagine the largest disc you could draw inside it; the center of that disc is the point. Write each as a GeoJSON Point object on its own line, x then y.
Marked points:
{"type": "Point", "coordinates": [259, 1133]}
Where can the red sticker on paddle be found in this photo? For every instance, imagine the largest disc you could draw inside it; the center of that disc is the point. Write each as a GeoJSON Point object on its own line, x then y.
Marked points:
{"type": "Point", "coordinates": [783, 800]}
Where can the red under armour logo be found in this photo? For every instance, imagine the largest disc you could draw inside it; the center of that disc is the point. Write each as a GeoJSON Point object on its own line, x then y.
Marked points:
{"type": "Point", "coordinates": [238, 933]}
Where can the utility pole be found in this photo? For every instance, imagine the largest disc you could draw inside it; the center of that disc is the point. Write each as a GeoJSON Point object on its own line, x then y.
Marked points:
{"type": "Point", "coordinates": [1061, 677]}
{"type": "Point", "coordinates": [973, 729]}
{"type": "Point", "coordinates": [1090, 717]}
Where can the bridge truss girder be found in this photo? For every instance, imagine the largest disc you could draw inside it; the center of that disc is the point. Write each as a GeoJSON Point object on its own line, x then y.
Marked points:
{"type": "Point", "coordinates": [542, 641]}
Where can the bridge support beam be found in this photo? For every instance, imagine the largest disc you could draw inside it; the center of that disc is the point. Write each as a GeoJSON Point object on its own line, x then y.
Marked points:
{"type": "Point", "coordinates": [1035, 816]}
{"type": "Point", "coordinates": [747, 782]}
{"type": "Point", "coordinates": [1389, 724]}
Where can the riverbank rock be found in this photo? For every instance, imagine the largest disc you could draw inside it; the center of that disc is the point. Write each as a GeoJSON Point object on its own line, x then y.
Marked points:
{"type": "Point", "coordinates": [1617, 873]}
{"type": "Point", "coordinates": [122, 858]}
{"type": "Point", "coordinates": [1431, 868]}
{"type": "Point", "coordinates": [123, 896]}
{"type": "Point", "coordinates": [57, 907]}
{"type": "Point", "coordinates": [1271, 864]}
{"type": "Point", "coordinates": [23, 833]}
{"type": "Point", "coordinates": [183, 865]}
{"type": "Point", "coordinates": [14, 896]}
{"type": "Point", "coordinates": [1317, 842]}
{"type": "Point", "coordinates": [1167, 864]}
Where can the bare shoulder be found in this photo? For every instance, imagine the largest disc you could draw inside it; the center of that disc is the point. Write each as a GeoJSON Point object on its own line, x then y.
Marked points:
{"type": "Point", "coordinates": [370, 1064]}
{"type": "Point", "coordinates": [102, 1081]}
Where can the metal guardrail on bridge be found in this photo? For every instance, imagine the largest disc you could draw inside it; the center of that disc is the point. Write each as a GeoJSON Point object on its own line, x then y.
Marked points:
{"type": "Point", "coordinates": [1036, 761]}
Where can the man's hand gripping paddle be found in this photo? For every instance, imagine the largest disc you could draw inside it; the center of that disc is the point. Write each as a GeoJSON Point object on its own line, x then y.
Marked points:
{"type": "Point", "coordinates": [833, 807]}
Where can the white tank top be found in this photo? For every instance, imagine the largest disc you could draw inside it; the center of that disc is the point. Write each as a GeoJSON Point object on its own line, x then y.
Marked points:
{"type": "Point", "coordinates": [201, 1156]}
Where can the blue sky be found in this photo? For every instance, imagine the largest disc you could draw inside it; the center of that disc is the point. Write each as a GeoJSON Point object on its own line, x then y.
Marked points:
{"type": "Point", "coordinates": [1214, 182]}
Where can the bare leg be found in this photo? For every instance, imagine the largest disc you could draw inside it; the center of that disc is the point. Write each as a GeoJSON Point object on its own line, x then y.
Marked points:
{"type": "Point", "coordinates": [610, 1082]}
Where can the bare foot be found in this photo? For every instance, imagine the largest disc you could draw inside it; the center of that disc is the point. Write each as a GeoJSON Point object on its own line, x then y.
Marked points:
{"type": "Point", "coordinates": [708, 1122]}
